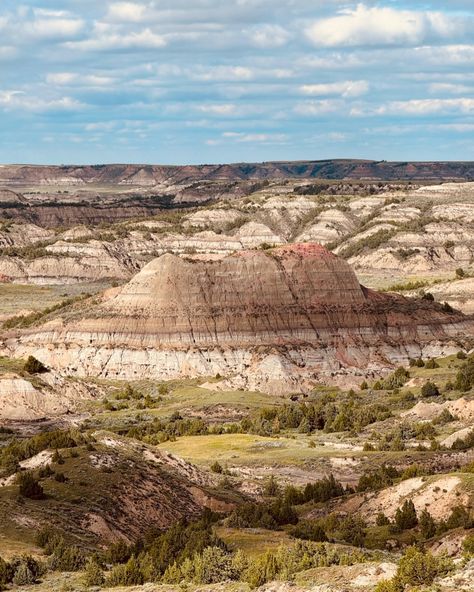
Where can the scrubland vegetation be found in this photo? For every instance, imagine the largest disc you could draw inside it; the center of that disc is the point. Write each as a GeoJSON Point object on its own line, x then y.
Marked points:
{"type": "Point", "coordinates": [309, 523]}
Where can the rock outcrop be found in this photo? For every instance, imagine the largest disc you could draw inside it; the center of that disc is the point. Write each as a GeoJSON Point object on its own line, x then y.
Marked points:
{"type": "Point", "coordinates": [276, 320]}
{"type": "Point", "coordinates": [152, 175]}
{"type": "Point", "coordinates": [23, 399]}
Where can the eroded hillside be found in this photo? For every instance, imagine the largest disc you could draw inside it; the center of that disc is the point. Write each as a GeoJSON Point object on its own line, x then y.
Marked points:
{"type": "Point", "coordinates": [395, 237]}
{"type": "Point", "coordinates": [178, 351]}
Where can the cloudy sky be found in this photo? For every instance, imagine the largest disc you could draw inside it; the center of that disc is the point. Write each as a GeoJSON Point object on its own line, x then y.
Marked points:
{"type": "Point", "coordinates": [194, 81]}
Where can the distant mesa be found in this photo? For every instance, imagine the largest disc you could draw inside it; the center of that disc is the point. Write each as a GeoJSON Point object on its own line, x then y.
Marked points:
{"type": "Point", "coordinates": [149, 175]}
{"type": "Point", "coordinates": [272, 320]}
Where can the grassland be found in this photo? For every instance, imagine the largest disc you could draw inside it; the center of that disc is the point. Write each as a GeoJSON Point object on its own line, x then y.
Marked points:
{"type": "Point", "coordinates": [254, 541]}
{"type": "Point", "coordinates": [250, 450]}
{"type": "Point", "coordinates": [18, 299]}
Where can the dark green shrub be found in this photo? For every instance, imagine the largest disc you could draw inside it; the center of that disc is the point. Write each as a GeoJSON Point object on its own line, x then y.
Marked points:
{"type": "Point", "coordinates": [378, 479]}
{"type": "Point", "coordinates": [468, 544]}
{"type": "Point", "coordinates": [216, 467]}
{"type": "Point", "coordinates": [93, 573]}
{"type": "Point", "coordinates": [26, 570]}
{"type": "Point", "coordinates": [6, 573]}
{"type": "Point", "coordinates": [405, 517]}
{"type": "Point", "coordinates": [382, 520]}
{"type": "Point", "coordinates": [67, 557]}
{"type": "Point", "coordinates": [427, 525]}
{"type": "Point", "coordinates": [417, 568]}
{"type": "Point", "coordinates": [309, 530]}
{"type": "Point", "coordinates": [34, 366]}
{"type": "Point", "coordinates": [271, 487]}
{"type": "Point", "coordinates": [429, 389]}
{"type": "Point", "coordinates": [352, 530]}
{"type": "Point", "coordinates": [459, 518]}
{"type": "Point", "coordinates": [118, 552]}
{"type": "Point", "coordinates": [128, 574]}
{"type": "Point", "coordinates": [29, 486]}
{"type": "Point", "coordinates": [465, 376]}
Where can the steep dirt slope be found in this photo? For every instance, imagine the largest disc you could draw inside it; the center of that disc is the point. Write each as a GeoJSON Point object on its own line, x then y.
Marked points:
{"type": "Point", "coordinates": [114, 489]}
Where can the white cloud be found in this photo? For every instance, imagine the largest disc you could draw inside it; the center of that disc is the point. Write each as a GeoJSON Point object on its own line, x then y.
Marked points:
{"type": "Point", "coordinates": [45, 12]}
{"type": "Point", "coordinates": [337, 137]}
{"type": "Point", "coordinates": [318, 107]}
{"type": "Point", "coordinates": [224, 109]}
{"type": "Point", "coordinates": [349, 88]}
{"type": "Point", "coordinates": [19, 100]}
{"type": "Point", "coordinates": [127, 12]}
{"type": "Point", "coordinates": [427, 106]}
{"type": "Point", "coordinates": [106, 40]}
{"type": "Point", "coordinates": [452, 55]}
{"type": "Point", "coordinates": [55, 28]}
{"type": "Point", "coordinates": [61, 78]}
{"type": "Point", "coordinates": [73, 79]}
{"type": "Point", "coordinates": [339, 61]}
{"type": "Point", "coordinates": [268, 36]}
{"type": "Point", "coordinates": [255, 138]}
{"type": "Point", "coordinates": [226, 73]}
{"type": "Point", "coordinates": [365, 26]}
{"type": "Point", "coordinates": [462, 128]}
{"type": "Point", "coordinates": [449, 88]}
{"type": "Point", "coordinates": [7, 52]}
{"type": "Point", "coordinates": [248, 138]}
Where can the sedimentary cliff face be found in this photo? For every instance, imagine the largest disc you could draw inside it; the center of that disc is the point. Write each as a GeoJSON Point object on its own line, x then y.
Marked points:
{"type": "Point", "coordinates": [152, 175]}
{"type": "Point", "coordinates": [275, 320]}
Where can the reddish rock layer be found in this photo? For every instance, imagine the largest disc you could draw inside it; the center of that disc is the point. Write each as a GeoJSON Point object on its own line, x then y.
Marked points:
{"type": "Point", "coordinates": [300, 299]}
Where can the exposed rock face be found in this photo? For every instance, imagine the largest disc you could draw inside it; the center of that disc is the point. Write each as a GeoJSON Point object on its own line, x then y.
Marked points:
{"type": "Point", "coordinates": [277, 319]}
{"type": "Point", "coordinates": [51, 396]}
{"type": "Point", "coordinates": [150, 175]}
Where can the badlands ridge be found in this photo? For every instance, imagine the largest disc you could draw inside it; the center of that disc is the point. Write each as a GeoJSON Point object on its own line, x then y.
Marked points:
{"type": "Point", "coordinates": [275, 320]}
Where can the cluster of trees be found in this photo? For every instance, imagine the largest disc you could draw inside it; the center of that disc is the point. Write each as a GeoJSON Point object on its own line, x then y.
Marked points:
{"type": "Point", "coordinates": [416, 568]}
{"type": "Point", "coordinates": [280, 511]}
{"type": "Point", "coordinates": [334, 528]}
{"type": "Point", "coordinates": [406, 518]}
{"type": "Point", "coordinates": [270, 515]}
{"type": "Point", "coordinates": [396, 380]}
{"type": "Point", "coordinates": [397, 438]}
{"type": "Point", "coordinates": [18, 450]}
{"type": "Point", "coordinates": [464, 443]}
{"type": "Point", "coordinates": [142, 401]}
{"type": "Point", "coordinates": [383, 476]}
{"type": "Point", "coordinates": [465, 377]}
{"type": "Point", "coordinates": [216, 565]}
{"type": "Point", "coordinates": [159, 430]}
{"type": "Point", "coordinates": [20, 571]}
{"type": "Point", "coordinates": [330, 413]}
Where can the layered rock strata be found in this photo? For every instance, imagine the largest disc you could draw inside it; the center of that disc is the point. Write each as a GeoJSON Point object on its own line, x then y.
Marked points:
{"type": "Point", "coordinates": [275, 320]}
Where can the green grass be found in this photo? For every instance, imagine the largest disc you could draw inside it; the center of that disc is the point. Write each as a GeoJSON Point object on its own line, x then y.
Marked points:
{"type": "Point", "coordinates": [8, 365]}
{"type": "Point", "coordinates": [18, 298]}
{"type": "Point", "coordinates": [246, 449]}
{"type": "Point", "coordinates": [15, 298]}
{"type": "Point", "coordinates": [253, 541]}
{"type": "Point", "coordinates": [447, 371]}
{"type": "Point", "coordinates": [184, 396]}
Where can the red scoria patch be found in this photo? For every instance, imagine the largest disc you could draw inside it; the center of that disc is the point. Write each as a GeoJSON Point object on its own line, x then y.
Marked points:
{"type": "Point", "coordinates": [306, 250]}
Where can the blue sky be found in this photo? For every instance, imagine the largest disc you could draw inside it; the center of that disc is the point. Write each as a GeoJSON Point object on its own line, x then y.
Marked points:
{"type": "Point", "coordinates": [197, 81]}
